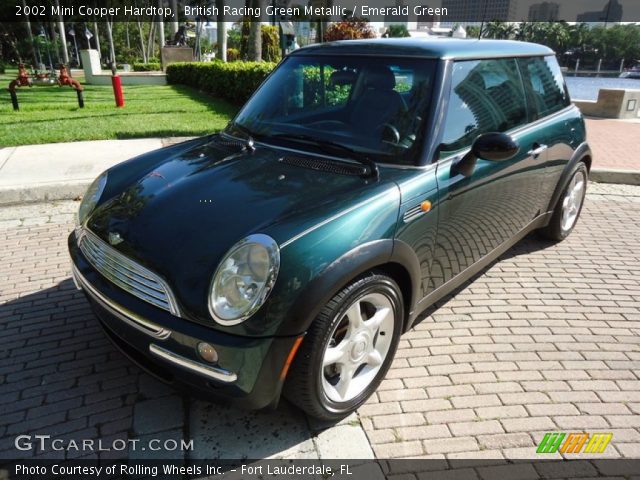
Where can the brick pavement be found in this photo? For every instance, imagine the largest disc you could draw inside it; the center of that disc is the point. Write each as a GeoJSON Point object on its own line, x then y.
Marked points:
{"type": "Point", "coordinates": [548, 338]}
{"type": "Point", "coordinates": [614, 143]}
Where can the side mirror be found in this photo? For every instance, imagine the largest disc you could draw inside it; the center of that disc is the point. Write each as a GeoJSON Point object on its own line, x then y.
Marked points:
{"type": "Point", "coordinates": [495, 147]}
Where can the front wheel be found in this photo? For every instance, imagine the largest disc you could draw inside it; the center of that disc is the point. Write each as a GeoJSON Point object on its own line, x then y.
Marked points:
{"type": "Point", "coordinates": [348, 349]}
{"type": "Point", "coordinates": [569, 206]}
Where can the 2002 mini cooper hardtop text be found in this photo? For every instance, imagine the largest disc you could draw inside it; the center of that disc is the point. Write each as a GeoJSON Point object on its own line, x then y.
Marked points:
{"type": "Point", "coordinates": [362, 182]}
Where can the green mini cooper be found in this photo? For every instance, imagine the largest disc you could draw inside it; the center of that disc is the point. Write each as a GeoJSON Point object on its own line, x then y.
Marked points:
{"type": "Point", "coordinates": [363, 181]}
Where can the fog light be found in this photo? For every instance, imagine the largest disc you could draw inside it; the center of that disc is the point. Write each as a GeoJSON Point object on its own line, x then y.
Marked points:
{"type": "Point", "coordinates": [207, 352]}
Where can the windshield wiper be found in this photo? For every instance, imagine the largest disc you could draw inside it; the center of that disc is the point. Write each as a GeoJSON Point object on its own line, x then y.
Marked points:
{"type": "Point", "coordinates": [330, 147]}
{"type": "Point", "coordinates": [248, 134]}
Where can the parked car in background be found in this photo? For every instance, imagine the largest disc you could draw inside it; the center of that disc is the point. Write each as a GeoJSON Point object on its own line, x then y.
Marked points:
{"type": "Point", "coordinates": [362, 182]}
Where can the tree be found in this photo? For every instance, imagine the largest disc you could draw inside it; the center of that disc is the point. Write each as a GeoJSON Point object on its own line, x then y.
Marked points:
{"type": "Point", "coordinates": [349, 30]}
{"type": "Point", "coordinates": [472, 31]}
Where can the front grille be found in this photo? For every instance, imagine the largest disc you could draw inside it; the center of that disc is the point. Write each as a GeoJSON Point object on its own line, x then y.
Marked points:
{"type": "Point", "coordinates": [325, 165]}
{"type": "Point", "coordinates": [127, 274]}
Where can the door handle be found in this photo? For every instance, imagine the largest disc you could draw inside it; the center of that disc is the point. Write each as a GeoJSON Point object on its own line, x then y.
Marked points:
{"type": "Point", "coordinates": [537, 149]}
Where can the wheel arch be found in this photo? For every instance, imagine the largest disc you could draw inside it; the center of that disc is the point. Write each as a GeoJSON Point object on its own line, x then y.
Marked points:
{"type": "Point", "coordinates": [581, 154]}
{"type": "Point", "coordinates": [390, 257]}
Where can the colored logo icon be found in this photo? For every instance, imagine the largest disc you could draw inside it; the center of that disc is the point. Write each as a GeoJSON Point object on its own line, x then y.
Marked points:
{"type": "Point", "coordinates": [575, 442]}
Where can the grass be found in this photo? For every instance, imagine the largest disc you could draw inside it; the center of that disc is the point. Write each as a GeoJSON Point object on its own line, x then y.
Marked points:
{"type": "Point", "coordinates": [51, 114]}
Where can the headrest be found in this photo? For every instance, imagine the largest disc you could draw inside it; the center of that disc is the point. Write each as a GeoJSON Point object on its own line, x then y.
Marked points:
{"type": "Point", "coordinates": [380, 78]}
{"type": "Point", "coordinates": [342, 77]}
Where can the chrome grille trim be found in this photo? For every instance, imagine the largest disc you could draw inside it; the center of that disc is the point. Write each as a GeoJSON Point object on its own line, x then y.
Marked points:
{"type": "Point", "coordinates": [119, 311]}
{"type": "Point", "coordinates": [413, 213]}
{"type": "Point", "coordinates": [210, 371]}
{"type": "Point", "coordinates": [127, 274]}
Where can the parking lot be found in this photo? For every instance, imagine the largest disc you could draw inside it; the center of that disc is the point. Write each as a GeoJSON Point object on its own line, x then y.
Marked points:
{"type": "Point", "coordinates": [547, 339]}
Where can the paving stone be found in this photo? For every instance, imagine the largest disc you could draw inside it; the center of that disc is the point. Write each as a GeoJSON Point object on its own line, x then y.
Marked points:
{"type": "Point", "coordinates": [344, 442]}
{"type": "Point", "coordinates": [158, 415]}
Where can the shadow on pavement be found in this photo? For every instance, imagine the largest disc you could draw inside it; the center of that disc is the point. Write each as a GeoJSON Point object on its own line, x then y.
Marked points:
{"type": "Point", "coordinates": [60, 376]}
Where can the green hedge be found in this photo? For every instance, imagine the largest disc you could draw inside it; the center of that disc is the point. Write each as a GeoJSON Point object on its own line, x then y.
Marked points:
{"type": "Point", "coordinates": [233, 81]}
{"type": "Point", "coordinates": [147, 67]}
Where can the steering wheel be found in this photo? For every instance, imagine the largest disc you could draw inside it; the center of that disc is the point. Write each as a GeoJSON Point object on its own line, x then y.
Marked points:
{"type": "Point", "coordinates": [394, 134]}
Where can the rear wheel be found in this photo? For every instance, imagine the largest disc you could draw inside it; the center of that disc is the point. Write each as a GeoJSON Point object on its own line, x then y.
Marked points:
{"type": "Point", "coordinates": [565, 215]}
{"type": "Point", "coordinates": [348, 349]}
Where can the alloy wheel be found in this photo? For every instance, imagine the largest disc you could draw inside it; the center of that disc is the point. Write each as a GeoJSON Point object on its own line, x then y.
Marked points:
{"type": "Point", "coordinates": [572, 201]}
{"type": "Point", "coordinates": [358, 347]}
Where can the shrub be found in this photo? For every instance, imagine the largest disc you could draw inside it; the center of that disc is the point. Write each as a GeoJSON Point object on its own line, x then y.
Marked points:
{"type": "Point", "coordinates": [233, 81]}
{"type": "Point", "coordinates": [147, 67]}
{"type": "Point", "coordinates": [2, 67]}
{"type": "Point", "coordinates": [349, 30]}
{"type": "Point", "coordinates": [398, 31]}
{"type": "Point", "coordinates": [233, 54]}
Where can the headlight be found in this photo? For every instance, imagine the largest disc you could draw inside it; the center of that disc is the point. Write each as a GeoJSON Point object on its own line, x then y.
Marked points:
{"type": "Point", "coordinates": [91, 198]}
{"type": "Point", "coordinates": [244, 279]}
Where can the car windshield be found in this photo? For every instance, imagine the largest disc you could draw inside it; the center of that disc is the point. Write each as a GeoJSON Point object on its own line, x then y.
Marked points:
{"type": "Point", "coordinates": [373, 107]}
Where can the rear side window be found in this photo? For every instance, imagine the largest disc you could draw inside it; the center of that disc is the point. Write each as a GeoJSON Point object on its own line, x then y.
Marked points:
{"type": "Point", "coordinates": [545, 86]}
{"type": "Point", "coordinates": [486, 96]}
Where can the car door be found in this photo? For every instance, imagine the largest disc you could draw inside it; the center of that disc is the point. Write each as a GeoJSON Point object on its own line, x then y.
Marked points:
{"type": "Point", "coordinates": [485, 207]}
{"type": "Point", "coordinates": [561, 129]}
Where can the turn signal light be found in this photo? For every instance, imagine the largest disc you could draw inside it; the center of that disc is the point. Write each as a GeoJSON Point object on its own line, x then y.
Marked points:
{"type": "Point", "coordinates": [425, 206]}
{"type": "Point", "coordinates": [207, 352]}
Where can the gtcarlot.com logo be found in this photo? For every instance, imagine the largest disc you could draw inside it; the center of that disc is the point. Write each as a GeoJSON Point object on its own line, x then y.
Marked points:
{"type": "Point", "coordinates": [574, 442]}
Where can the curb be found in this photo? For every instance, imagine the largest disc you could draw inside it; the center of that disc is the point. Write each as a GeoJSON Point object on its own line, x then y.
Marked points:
{"type": "Point", "coordinates": [74, 190]}
{"type": "Point", "coordinates": [626, 177]}
{"type": "Point", "coordinates": [43, 193]}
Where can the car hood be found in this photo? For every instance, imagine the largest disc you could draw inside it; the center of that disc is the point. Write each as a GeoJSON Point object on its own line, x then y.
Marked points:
{"type": "Point", "coordinates": [182, 217]}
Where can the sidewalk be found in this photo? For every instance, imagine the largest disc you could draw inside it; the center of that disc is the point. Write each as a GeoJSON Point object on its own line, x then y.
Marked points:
{"type": "Point", "coordinates": [616, 150]}
{"type": "Point", "coordinates": [61, 171]}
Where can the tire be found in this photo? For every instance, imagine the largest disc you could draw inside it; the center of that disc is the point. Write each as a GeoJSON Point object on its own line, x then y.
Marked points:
{"type": "Point", "coordinates": [569, 206]}
{"type": "Point", "coordinates": [331, 391]}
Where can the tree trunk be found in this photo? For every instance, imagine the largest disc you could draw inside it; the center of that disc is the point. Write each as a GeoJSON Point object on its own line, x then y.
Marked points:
{"type": "Point", "coordinates": [160, 26]}
{"type": "Point", "coordinates": [174, 22]}
{"type": "Point", "coordinates": [255, 34]}
{"type": "Point", "coordinates": [141, 38]}
{"type": "Point", "coordinates": [54, 40]}
{"type": "Point", "coordinates": [150, 40]}
{"type": "Point", "coordinates": [97, 38]}
{"type": "Point", "coordinates": [63, 38]}
{"type": "Point", "coordinates": [222, 32]}
{"type": "Point", "coordinates": [27, 25]}
{"type": "Point", "coordinates": [112, 50]}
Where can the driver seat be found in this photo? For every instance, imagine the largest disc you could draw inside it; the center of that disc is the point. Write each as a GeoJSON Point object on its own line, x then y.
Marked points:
{"type": "Point", "coordinates": [379, 102]}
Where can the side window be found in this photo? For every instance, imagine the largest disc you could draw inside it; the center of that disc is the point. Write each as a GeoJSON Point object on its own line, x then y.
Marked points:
{"type": "Point", "coordinates": [486, 96]}
{"type": "Point", "coordinates": [404, 79]}
{"type": "Point", "coordinates": [545, 86]}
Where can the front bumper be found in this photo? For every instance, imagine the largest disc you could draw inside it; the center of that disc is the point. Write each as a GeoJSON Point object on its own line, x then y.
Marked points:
{"type": "Point", "coordinates": [249, 372]}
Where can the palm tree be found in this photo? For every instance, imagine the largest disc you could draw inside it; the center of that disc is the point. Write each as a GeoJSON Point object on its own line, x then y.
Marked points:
{"type": "Point", "coordinates": [254, 49]}
{"type": "Point", "coordinates": [222, 32]}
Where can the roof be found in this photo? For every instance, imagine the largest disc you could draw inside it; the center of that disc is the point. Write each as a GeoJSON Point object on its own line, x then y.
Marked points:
{"type": "Point", "coordinates": [449, 48]}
